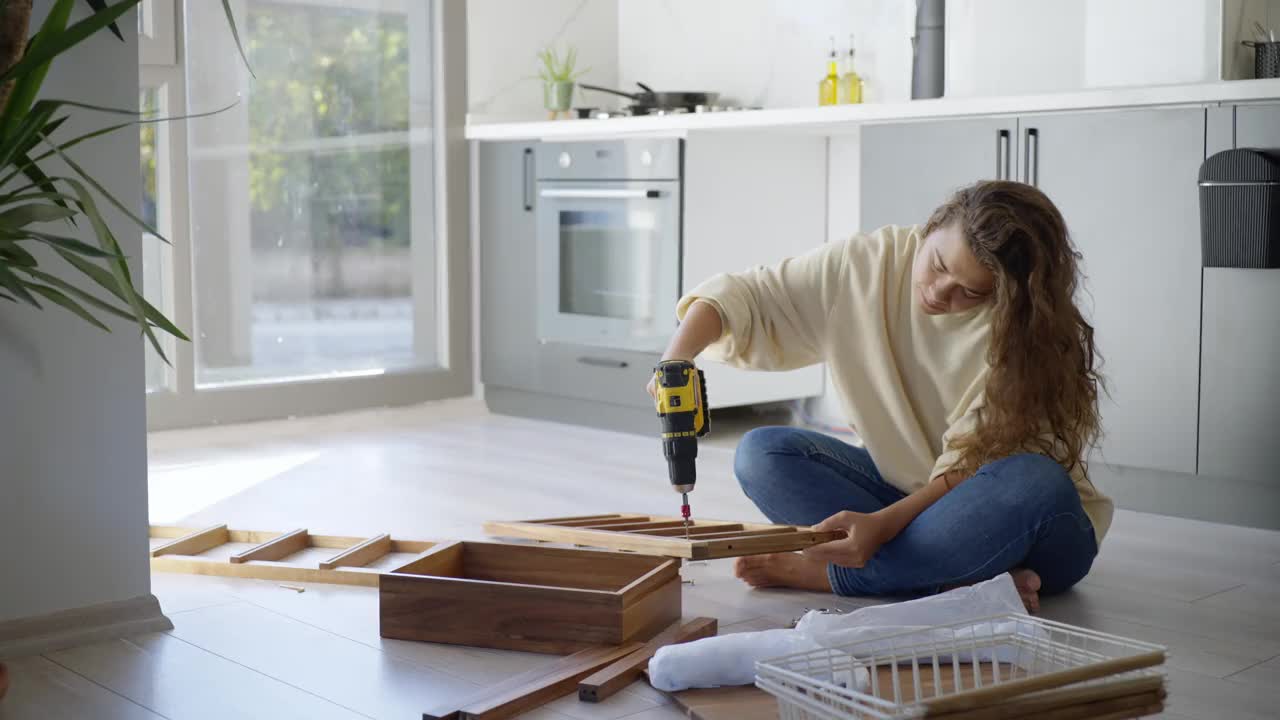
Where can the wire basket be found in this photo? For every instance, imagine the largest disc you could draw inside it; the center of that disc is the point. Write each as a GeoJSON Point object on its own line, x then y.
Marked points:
{"type": "Point", "coordinates": [1003, 666]}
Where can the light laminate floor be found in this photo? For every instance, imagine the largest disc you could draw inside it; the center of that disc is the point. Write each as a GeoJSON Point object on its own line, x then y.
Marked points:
{"type": "Point", "coordinates": [251, 649]}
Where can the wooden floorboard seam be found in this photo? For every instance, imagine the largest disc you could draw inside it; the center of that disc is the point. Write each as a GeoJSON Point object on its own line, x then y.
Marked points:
{"type": "Point", "coordinates": [282, 681]}
{"type": "Point", "coordinates": [1214, 594]}
{"type": "Point", "coordinates": [129, 700]}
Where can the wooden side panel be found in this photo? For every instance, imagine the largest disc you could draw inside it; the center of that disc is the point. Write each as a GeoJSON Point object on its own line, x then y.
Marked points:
{"type": "Point", "coordinates": [510, 617]}
{"type": "Point", "coordinates": [556, 567]}
{"type": "Point", "coordinates": [654, 611]}
{"type": "Point", "coordinates": [443, 560]}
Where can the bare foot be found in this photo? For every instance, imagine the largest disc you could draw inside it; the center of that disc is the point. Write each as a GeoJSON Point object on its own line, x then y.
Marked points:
{"type": "Point", "coordinates": [1028, 584]}
{"type": "Point", "coordinates": [791, 570]}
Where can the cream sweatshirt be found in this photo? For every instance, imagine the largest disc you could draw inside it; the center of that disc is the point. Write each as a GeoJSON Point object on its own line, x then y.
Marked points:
{"type": "Point", "coordinates": [908, 382]}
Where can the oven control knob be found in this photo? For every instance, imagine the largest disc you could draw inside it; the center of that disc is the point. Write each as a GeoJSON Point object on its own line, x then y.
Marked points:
{"type": "Point", "coordinates": [646, 158]}
{"type": "Point", "coordinates": [564, 160]}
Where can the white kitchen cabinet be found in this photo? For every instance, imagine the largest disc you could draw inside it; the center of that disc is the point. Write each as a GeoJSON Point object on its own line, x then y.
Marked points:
{"type": "Point", "coordinates": [750, 200]}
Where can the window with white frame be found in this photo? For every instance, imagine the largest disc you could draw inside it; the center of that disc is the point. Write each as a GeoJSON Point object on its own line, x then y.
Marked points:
{"type": "Point", "coordinates": [304, 213]}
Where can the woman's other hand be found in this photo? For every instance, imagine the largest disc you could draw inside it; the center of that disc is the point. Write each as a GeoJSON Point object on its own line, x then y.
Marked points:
{"type": "Point", "coordinates": [867, 532]}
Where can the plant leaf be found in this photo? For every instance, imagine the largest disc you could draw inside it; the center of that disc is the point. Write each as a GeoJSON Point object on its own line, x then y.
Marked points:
{"type": "Point", "coordinates": [24, 215]}
{"type": "Point", "coordinates": [58, 298]}
{"type": "Point", "coordinates": [101, 190]}
{"type": "Point", "coordinates": [20, 139]}
{"type": "Point", "coordinates": [17, 255]}
{"type": "Point", "coordinates": [7, 199]}
{"type": "Point", "coordinates": [17, 287]}
{"type": "Point", "coordinates": [119, 266]}
{"type": "Point", "coordinates": [6, 296]}
{"type": "Point", "coordinates": [28, 85]}
{"type": "Point", "coordinates": [235, 33]}
{"type": "Point", "coordinates": [70, 244]}
{"type": "Point", "coordinates": [37, 177]}
{"type": "Point", "coordinates": [60, 42]}
{"type": "Point", "coordinates": [105, 280]}
{"type": "Point", "coordinates": [73, 290]}
{"type": "Point", "coordinates": [98, 6]}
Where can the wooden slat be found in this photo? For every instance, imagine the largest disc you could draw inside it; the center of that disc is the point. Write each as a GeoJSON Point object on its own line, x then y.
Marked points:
{"type": "Point", "coordinates": [697, 530]}
{"type": "Point", "coordinates": [578, 517]}
{"type": "Point", "coordinates": [257, 537]}
{"type": "Point", "coordinates": [1000, 693]}
{"type": "Point", "coordinates": [507, 699]}
{"type": "Point", "coordinates": [762, 544]}
{"type": "Point", "coordinates": [748, 533]}
{"type": "Point", "coordinates": [275, 549]}
{"type": "Point", "coordinates": [361, 554]}
{"type": "Point", "coordinates": [607, 681]}
{"type": "Point", "coordinates": [633, 526]}
{"type": "Point", "coordinates": [195, 543]}
{"type": "Point", "coordinates": [600, 522]}
{"type": "Point", "coordinates": [335, 542]}
{"type": "Point", "coordinates": [259, 570]}
{"type": "Point", "coordinates": [1034, 705]}
{"type": "Point", "coordinates": [597, 538]}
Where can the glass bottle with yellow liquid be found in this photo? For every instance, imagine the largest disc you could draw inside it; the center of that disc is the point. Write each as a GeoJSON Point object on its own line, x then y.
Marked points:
{"type": "Point", "coordinates": [828, 89]}
{"type": "Point", "coordinates": [849, 87]}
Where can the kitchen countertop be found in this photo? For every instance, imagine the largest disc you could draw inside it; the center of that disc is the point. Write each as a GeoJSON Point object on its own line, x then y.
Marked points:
{"type": "Point", "coordinates": [831, 120]}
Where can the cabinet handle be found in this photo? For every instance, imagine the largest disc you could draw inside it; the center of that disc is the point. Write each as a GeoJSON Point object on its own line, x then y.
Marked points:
{"type": "Point", "coordinates": [1002, 154]}
{"type": "Point", "coordinates": [604, 362]}
{"type": "Point", "coordinates": [528, 179]}
{"type": "Point", "coordinates": [1031, 158]}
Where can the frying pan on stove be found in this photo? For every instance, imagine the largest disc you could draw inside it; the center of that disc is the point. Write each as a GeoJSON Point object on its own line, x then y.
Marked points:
{"type": "Point", "coordinates": [648, 99]}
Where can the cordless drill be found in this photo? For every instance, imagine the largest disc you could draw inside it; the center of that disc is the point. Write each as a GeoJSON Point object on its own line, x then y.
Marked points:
{"type": "Point", "coordinates": [682, 407]}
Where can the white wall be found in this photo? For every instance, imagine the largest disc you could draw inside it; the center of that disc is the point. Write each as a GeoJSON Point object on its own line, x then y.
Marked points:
{"type": "Point", "coordinates": [503, 37]}
{"type": "Point", "coordinates": [73, 470]}
{"type": "Point", "coordinates": [767, 53]}
{"type": "Point", "coordinates": [1007, 47]}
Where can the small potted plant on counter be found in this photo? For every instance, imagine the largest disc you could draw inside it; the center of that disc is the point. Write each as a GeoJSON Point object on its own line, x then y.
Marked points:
{"type": "Point", "coordinates": [558, 75]}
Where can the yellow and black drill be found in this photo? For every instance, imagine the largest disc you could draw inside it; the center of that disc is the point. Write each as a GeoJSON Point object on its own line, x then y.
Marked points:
{"type": "Point", "coordinates": [682, 407]}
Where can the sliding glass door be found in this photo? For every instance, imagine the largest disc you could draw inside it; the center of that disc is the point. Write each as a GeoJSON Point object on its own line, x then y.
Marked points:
{"type": "Point", "coordinates": [310, 244]}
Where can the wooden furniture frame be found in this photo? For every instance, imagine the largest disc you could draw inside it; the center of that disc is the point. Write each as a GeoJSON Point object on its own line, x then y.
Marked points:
{"type": "Point", "coordinates": [666, 535]}
{"type": "Point", "coordinates": [268, 559]}
{"type": "Point", "coordinates": [528, 597]}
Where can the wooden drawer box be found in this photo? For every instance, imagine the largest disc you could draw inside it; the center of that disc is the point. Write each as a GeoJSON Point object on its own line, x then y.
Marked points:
{"type": "Point", "coordinates": [527, 597]}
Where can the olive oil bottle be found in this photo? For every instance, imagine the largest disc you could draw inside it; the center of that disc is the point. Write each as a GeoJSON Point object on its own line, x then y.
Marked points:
{"type": "Point", "coordinates": [828, 89]}
{"type": "Point", "coordinates": [849, 91]}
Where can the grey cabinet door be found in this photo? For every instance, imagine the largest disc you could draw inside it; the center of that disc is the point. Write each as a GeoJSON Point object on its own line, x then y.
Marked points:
{"type": "Point", "coordinates": [1258, 125]}
{"type": "Point", "coordinates": [909, 169]}
{"type": "Point", "coordinates": [1126, 184]}
{"type": "Point", "coordinates": [505, 201]}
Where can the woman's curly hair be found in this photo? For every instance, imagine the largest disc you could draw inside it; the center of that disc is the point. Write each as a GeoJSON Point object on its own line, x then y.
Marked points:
{"type": "Point", "coordinates": [1042, 392]}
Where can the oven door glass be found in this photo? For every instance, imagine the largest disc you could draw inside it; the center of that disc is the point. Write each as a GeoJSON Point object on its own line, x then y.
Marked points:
{"type": "Point", "coordinates": [608, 263]}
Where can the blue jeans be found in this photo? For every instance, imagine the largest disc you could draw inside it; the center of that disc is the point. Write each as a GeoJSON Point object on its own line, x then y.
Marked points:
{"type": "Point", "coordinates": [1018, 512]}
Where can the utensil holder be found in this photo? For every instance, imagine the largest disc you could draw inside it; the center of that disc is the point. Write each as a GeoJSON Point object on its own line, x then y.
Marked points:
{"type": "Point", "coordinates": [1266, 58]}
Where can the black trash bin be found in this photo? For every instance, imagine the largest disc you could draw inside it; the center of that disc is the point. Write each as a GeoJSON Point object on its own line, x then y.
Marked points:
{"type": "Point", "coordinates": [1240, 209]}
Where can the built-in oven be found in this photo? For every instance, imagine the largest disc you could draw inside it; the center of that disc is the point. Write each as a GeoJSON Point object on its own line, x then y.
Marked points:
{"type": "Point", "coordinates": [608, 242]}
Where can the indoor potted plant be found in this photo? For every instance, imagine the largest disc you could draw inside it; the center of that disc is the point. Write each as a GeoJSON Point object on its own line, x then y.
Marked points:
{"type": "Point", "coordinates": [558, 77]}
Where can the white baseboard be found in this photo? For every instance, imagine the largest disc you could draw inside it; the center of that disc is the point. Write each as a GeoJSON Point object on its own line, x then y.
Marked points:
{"type": "Point", "coordinates": [81, 626]}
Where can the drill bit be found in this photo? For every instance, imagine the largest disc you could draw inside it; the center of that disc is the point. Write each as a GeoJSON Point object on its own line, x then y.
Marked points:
{"type": "Point", "coordinates": [684, 513]}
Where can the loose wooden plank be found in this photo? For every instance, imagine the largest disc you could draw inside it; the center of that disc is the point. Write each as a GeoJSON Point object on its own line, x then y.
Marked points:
{"type": "Point", "coordinates": [450, 710]}
{"type": "Point", "coordinates": [743, 533]}
{"type": "Point", "coordinates": [508, 699]}
{"type": "Point", "coordinates": [607, 681]}
{"type": "Point", "coordinates": [728, 703]}
{"type": "Point", "coordinates": [360, 555]}
{"type": "Point", "coordinates": [275, 549]}
{"type": "Point", "coordinates": [605, 516]}
{"type": "Point", "coordinates": [1034, 705]}
{"type": "Point", "coordinates": [195, 543]}
{"type": "Point", "coordinates": [999, 693]}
